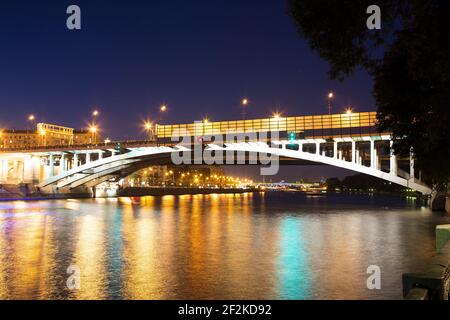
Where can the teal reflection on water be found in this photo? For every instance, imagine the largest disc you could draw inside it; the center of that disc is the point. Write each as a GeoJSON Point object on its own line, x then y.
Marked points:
{"type": "Point", "coordinates": [115, 252]}
{"type": "Point", "coordinates": [294, 274]}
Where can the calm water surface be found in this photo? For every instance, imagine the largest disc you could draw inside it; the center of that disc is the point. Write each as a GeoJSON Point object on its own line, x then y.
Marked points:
{"type": "Point", "coordinates": [252, 246]}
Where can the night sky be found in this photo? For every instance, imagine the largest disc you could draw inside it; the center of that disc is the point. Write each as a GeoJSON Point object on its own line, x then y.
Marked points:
{"type": "Point", "coordinates": [198, 57]}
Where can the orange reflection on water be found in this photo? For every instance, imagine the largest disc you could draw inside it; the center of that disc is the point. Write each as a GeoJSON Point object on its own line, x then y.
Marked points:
{"type": "Point", "coordinates": [26, 254]}
{"type": "Point", "coordinates": [144, 278]}
{"type": "Point", "coordinates": [89, 257]}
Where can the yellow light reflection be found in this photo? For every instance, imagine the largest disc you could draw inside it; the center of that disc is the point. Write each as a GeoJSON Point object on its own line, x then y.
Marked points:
{"type": "Point", "coordinates": [90, 257]}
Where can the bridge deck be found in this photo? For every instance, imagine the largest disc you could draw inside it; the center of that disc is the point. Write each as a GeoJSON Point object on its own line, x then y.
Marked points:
{"type": "Point", "coordinates": [167, 143]}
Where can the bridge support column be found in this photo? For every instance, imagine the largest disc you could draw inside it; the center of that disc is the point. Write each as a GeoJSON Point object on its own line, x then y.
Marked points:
{"type": "Point", "coordinates": [335, 149]}
{"type": "Point", "coordinates": [1, 171]}
{"type": "Point", "coordinates": [411, 166]}
{"type": "Point", "coordinates": [75, 160]}
{"type": "Point", "coordinates": [62, 163]}
{"type": "Point", "coordinates": [4, 171]}
{"type": "Point", "coordinates": [376, 159]}
{"type": "Point", "coordinates": [353, 151]}
{"type": "Point", "coordinates": [392, 161]}
{"type": "Point", "coordinates": [17, 172]}
{"type": "Point", "coordinates": [318, 148]}
{"type": "Point", "coordinates": [372, 154]}
{"type": "Point", "coordinates": [51, 160]}
{"type": "Point", "coordinates": [28, 170]}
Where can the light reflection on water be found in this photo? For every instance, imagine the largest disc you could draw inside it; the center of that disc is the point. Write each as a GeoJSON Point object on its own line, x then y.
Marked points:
{"type": "Point", "coordinates": [242, 246]}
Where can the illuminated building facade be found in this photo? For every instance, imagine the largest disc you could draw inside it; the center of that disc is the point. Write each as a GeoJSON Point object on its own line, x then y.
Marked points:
{"type": "Point", "coordinates": [45, 135]}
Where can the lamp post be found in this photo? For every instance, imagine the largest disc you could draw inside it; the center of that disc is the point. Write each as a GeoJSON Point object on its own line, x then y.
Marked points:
{"type": "Point", "coordinates": [150, 128]}
{"type": "Point", "coordinates": [244, 104]}
{"type": "Point", "coordinates": [95, 114]}
{"type": "Point", "coordinates": [276, 115]}
{"type": "Point", "coordinates": [330, 97]}
{"type": "Point", "coordinates": [42, 134]}
{"type": "Point", "coordinates": [162, 110]}
{"type": "Point", "coordinates": [32, 119]}
{"type": "Point", "coordinates": [93, 129]}
{"type": "Point", "coordinates": [93, 126]}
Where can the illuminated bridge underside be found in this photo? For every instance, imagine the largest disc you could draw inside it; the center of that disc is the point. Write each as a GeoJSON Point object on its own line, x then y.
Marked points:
{"type": "Point", "coordinates": [116, 166]}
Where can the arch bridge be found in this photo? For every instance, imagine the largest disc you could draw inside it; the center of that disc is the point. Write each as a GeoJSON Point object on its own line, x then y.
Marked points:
{"type": "Point", "coordinates": [349, 141]}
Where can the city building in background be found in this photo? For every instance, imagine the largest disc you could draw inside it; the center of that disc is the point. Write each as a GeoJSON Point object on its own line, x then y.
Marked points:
{"type": "Point", "coordinates": [184, 176]}
{"type": "Point", "coordinates": [18, 139]}
{"type": "Point", "coordinates": [54, 135]}
{"type": "Point", "coordinates": [46, 135]}
{"type": "Point", "coordinates": [82, 137]}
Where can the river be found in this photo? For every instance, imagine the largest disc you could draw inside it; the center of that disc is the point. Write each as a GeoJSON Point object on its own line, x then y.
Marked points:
{"type": "Point", "coordinates": [220, 246]}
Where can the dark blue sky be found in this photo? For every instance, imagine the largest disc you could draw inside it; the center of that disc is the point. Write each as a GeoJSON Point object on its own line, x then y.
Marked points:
{"type": "Point", "coordinates": [199, 57]}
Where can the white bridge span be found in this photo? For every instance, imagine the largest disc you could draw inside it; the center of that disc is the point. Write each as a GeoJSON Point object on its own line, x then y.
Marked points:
{"type": "Point", "coordinates": [73, 174]}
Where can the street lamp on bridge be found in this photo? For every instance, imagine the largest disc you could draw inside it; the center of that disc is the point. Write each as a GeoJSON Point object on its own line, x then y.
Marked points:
{"type": "Point", "coordinates": [330, 97]}
{"type": "Point", "coordinates": [276, 115]}
{"type": "Point", "coordinates": [244, 104]}
{"type": "Point", "coordinates": [93, 129]}
{"type": "Point", "coordinates": [32, 119]}
{"type": "Point", "coordinates": [42, 134]}
{"type": "Point", "coordinates": [95, 113]}
{"type": "Point", "coordinates": [150, 128]}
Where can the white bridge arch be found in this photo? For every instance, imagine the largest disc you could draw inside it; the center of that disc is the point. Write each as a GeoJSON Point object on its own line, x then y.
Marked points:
{"type": "Point", "coordinates": [92, 173]}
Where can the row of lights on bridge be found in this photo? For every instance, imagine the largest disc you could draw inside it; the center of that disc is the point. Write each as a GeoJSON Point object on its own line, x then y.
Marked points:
{"type": "Point", "coordinates": [148, 125]}
{"type": "Point", "coordinates": [277, 115]}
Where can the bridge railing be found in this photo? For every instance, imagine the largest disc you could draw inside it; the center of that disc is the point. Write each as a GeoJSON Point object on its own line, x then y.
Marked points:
{"type": "Point", "coordinates": [167, 142]}
{"type": "Point", "coordinates": [102, 146]}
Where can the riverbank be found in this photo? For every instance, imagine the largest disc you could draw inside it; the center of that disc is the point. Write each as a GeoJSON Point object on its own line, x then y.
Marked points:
{"type": "Point", "coordinates": [16, 195]}
{"type": "Point", "coordinates": [139, 192]}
